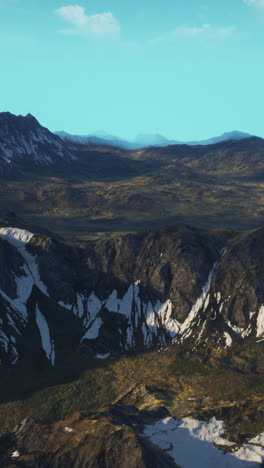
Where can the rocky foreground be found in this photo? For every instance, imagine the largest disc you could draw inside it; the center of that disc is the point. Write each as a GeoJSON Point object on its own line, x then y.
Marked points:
{"type": "Point", "coordinates": [110, 438]}
{"type": "Point", "coordinates": [134, 432]}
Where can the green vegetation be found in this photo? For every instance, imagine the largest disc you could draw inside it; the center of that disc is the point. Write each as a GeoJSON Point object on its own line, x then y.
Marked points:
{"type": "Point", "coordinates": [186, 386]}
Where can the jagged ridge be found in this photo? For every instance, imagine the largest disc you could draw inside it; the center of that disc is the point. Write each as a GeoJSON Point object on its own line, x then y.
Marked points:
{"type": "Point", "coordinates": [131, 293]}
{"type": "Point", "coordinates": [23, 139]}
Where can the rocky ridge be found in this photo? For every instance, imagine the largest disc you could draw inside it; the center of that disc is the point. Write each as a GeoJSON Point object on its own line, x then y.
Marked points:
{"type": "Point", "coordinates": [24, 141]}
{"type": "Point", "coordinates": [136, 292]}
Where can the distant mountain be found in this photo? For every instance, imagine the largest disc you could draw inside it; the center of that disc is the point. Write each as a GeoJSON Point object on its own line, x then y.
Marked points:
{"type": "Point", "coordinates": [101, 138]}
{"type": "Point", "coordinates": [153, 140]}
{"type": "Point", "coordinates": [106, 140]}
{"type": "Point", "coordinates": [228, 136]}
{"type": "Point", "coordinates": [25, 144]}
{"type": "Point", "coordinates": [23, 139]}
{"type": "Point", "coordinates": [145, 140]}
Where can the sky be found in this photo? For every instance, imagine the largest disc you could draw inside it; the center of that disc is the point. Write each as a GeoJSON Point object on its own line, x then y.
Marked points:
{"type": "Point", "coordinates": [186, 69]}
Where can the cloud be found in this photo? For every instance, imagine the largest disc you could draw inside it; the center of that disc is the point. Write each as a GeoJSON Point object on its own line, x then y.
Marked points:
{"type": "Point", "coordinates": [206, 31]}
{"type": "Point", "coordinates": [254, 2]}
{"type": "Point", "coordinates": [99, 25]}
{"type": "Point", "coordinates": [73, 14]}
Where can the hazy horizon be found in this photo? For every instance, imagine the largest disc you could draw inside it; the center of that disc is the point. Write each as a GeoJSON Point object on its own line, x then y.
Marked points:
{"type": "Point", "coordinates": [103, 134]}
{"type": "Point", "coordinates": [180, 69]}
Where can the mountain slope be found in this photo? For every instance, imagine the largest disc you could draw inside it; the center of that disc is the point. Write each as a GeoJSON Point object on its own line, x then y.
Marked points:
{"type": "Point", "coordinates": [107, 438]}
{"type": "Point", "coordinates": [172, 318]}
{"type": "Point", "coordinates": [127, 294]}
{"type": "Point", "coordinates": [24, 140]}
{"type": "Point", "coordinates": [236, 159]}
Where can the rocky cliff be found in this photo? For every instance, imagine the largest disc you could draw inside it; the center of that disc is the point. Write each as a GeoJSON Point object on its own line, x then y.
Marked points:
{"type": "Point", "coordinates": [127, 294]}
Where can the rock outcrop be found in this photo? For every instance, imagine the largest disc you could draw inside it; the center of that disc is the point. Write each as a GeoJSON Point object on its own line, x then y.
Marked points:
{"type": "Point", "coordinates": [110, 438]}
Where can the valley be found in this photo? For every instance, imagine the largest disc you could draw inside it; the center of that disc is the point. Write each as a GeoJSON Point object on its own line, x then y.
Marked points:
{"type": "Point", "coordinates": [131, 302]}
{"type": "Point", "coordinates": [109, 191]}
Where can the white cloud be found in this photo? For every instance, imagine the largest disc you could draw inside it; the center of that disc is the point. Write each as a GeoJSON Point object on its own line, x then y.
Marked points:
{"type": "Point", "coordinates": [99, 25]}
{"type": "Point", "coordinates": [254, 2]}
{"type": "Point", "coordinates": [73, 14]}
{"type": "Point", "coordinates": [206, 31]}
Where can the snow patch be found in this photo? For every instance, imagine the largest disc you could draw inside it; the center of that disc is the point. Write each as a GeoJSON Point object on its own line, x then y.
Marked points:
{"type": "Point", "coordinates": [201, 332]}
{"type": "Point", "coordinates": [246, 332]}
{"type": "Point", "coordinates": [66, 306]}
{"type": "Point", "coordinates": [185, 326]}
{"type": "Point", "coordinates": [235, 328]}
{"type": "Point", "coordinates": [191, 444]}
{"type": "Point", "coordinates": [19, 238]}
{"type": "Point", "coordinates": [93, 332]}
{"type": "Point", "coordinates": [68, 429]}
{"type": "Point", "coordinates": [94, 305]}
{"type": "Point", "coordinates": [47, 343]}
{"type": "Point", "coordinates": [259, 439]}
{"type": "Point", "coordinates": [218, 297]}
{"type": "Point", "coordinates": [260, 322]}
{"type": "Point", "coordinates": [164, 312]}
{"type": "Point", "coordinates": [250, 453]}
{"type": "Point", "coordinates": [206, 302]}
{"type": "Point", "coordinates": [113, 303]}
{"type": "Point", "coordinates": [126, 303]}
{"type": "Point", "coordinates": [15, 454]}
{"type": "Point", "coordinates": [102, 356]}
{"type": "Point", "coordinates": [228, 339]}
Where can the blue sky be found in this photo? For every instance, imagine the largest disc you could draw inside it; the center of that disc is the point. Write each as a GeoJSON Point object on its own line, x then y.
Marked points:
{"type": "Point", "coordinates": [187, 69]}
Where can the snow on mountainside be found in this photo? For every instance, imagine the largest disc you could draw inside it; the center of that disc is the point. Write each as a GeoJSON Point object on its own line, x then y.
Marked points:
{"type": "Point", "coordinates": [23, 139]}
{"type": "Point", "coordinates": [191, 444]}
{"type": "Point", "coordinates": [177, 286]}
{"type": "Point", "coordinates": [23, 279]}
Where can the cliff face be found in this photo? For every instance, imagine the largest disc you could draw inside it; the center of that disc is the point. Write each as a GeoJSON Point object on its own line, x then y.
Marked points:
{"type": "Point", "coordinates": [130, 293]}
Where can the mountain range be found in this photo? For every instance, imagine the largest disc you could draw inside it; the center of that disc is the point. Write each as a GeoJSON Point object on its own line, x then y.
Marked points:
{"type": "Point", "coordinates": [144, 141]}
{"type": "Point", "coordinates": [24, 141]}
{"type": "Point", "coordinates": [132, 293]}
{"type": "Point", "coordinates": [93, 190]}
{"type": "Point", "coordinates": [131, 302]}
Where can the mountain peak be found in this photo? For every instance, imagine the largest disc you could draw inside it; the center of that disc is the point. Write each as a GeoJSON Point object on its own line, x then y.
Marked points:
{"type": "Point", "coordinates": [227, 136]}
{"type": "Point", "coordinates": [30, 118]}
{"type": "Point", "coordinates": [236, 135]}
{"type": "Point", "coordinates": [19, 121]}
{"type": "Point", "coordinates": [22, 138]}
